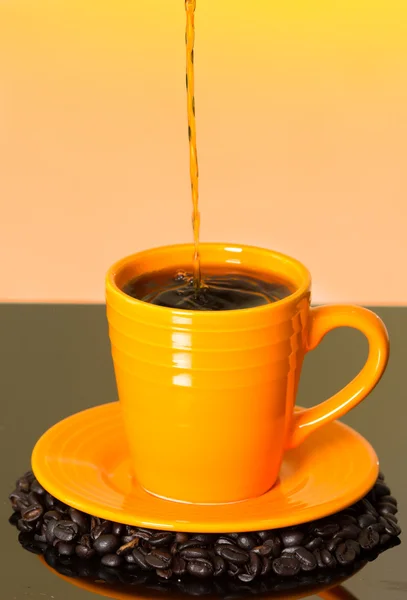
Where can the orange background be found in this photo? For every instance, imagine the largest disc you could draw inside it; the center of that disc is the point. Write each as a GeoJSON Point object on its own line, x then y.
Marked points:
{"type": "Point", "coordinates": [302, 133]}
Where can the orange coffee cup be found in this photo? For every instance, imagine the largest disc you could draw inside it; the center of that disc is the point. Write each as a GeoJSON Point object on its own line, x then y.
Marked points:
{"type": "Point", "coordinates": [208, 397]}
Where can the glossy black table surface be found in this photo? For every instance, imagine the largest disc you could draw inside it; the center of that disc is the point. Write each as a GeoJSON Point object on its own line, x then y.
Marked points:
{"type": "Point", "coordinates": [55, 361]}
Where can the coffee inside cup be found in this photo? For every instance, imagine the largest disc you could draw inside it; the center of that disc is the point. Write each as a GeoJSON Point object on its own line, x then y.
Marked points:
{"type": "Point", "coordinates": [221, 288]}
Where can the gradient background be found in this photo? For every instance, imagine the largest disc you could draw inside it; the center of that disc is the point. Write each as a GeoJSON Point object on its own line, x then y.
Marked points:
{"type": "Point", "coordinates": [302, 133]}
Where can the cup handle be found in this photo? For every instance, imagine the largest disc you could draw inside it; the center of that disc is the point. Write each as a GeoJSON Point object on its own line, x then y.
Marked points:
{"type": "Point", "coordinates": [322, 320]}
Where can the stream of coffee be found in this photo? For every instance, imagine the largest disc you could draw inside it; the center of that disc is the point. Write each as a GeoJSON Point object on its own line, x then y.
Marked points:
{"type": "Point", "coordinates": [193, 156]}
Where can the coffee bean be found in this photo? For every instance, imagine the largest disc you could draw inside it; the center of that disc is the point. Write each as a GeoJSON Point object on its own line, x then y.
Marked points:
{"type": "Point", "coordinates": [106, 544]}
{"type": "Point", "coordinates": [164, 573]}
{"type": "Point", "coordinates": [141, 534]}
{"type": "Point", "coordinates": [190, 544]}
{"type": "Point", "coordinates": [50, 530]}
{"type": "Point", "coordinates": [118, 529]}
{"type": "Point", "coordinates": [158, 559]}
{"type": "Point", "coordinates": [24, 526]}
{"type": "Point", "coordinates": [23, 484]}
{"type": "Point", "coordinates": [346, 519]}
{"type": "Point", "coordinates": [386, 508]}
{"type": "Point", "coordinates": [80, 519]}
{"type": "Point", "coordinates": [348, 532]}
{"type": "Point", "coordinates": [314, 543]}
{"type": "Point", "coordinates": [332, 544]}
{"type": "Point", "coordinates": [366, 520]}
{"type": "Point", "coordinates": [246, 541]}
{"type": "Point", "coordinates": [203, 538]}
{"type": "Point", "coordinates": [140, 559]}
{"type": "Point", "coordinates": [381, 489]}
{"type": "Point", "coordinates": [389, 499]}
{"type": "Point", "coordinates": [392, 518]}
{"type": "Point", "coordinates": [84, 552]}
{"type": "Point", "coordinates": [255, 565]}
{"type": "Point", "coordinates": [129, 558]}
{"type": "Point", "coordinates": [234, 570]}
{"type": "Point", "coordinates": [286, 566]}
{"type": "Point", "coordinates": [37, 488]}
{"type": "Point", "coordinates": [385, 539]}
{"type": "Point", "coordinates": [293, 537]}
{"type": "Point", "coordinates": [102, 529]}
{"type": "Point", "coordinates": [40, 537]}
{"type": "Point", "coordinates": [263, 550]}
{"type": "Point", "coordinates": [368, 507]}
{"type": "Point", "coordinates": [199, 569]}
{"type": "Point", "coordinates": [275, 544]}
{"type": "Point", "coordinates": [225, 540]}
{"type": "Point", "coordinates": [191, 553]}
{"type": "Point", "coordinates": [129, 546]}
{"type": "Point", "coordinates": [266, 565]}
{"type": "Point", "coordinates": [32, 512]}
{"type": "Point", "coordinates": [66, 530]}
{"type": "Point", "coordinates": [369, 538]}
{"type": "Point", "coordinates": [111, 560]}
{"type": "Point", "coordinates": [181, 538]}
{"type": "Point", "coordinates": [345, 554]}
{"type": "Point", "coordinates": [233, 554]}
{"type": "Point", "coordinates": [49, 501]}
{"type": "Point", "coordinates": [51, 515]}
{"type": "Point", "coordinates": [391, 528]}
{"type": "Point", "coordinates": [306, 558]}
{"type": "Point", "coordinates": [65, 548]}
{"type": "Point", "coordinates": [160, 539]}
{"type": "Point", "coordinates": [178, 565]}
{"type": "Point", "coordinates": [326, 529]}
{"type": "Point", "coordinates": [219, 565]}
{"type": "Point", "coordinates": [290, 550]}
{"type": "Point", "coordinates": [328, 559]}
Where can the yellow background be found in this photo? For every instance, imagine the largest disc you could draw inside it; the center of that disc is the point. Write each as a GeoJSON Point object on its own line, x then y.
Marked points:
{"type": "Point", "coordinates": [302, 133]}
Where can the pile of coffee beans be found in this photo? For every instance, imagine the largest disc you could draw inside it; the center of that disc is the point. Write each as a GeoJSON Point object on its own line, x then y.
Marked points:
{"type": "Point", "coordinates": [47, 526]}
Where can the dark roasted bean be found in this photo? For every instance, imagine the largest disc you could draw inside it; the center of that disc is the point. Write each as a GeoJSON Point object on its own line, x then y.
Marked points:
{"type": "Point", "coordinates": [328, 559]}
{"type": "Point", "coordinates": [203, 538]}
{"type": "Point", "coordinates": [314, 543]}
{"type": "Point", "coordinates": [23, 484]}
{"type": "Point", "coordinates": [34, 498]}
{"type": "Point", "coordinates": [32, 513]}
{"type": "Point", "coordinates": [49, 501]}
{"type": "Point", "coordinates": [160, 539]}
{"type": "Point", "coordinates": [164, 573]}
{"type": "Point", "coordinates": [37, 488]}
{"type": "Point", "coordinates": [275, 544]}
{"type": "Point", "coordinates": [392, 518]}
{"type": "Point", "coordinates": [219, 566]}
{"type": "Point", "coordinates": [332, 544]}
{"type": "Point", "coordinates": [102, 529]}
{"type": "Point", "coordinates": [51, 515]}
{"type": "Point", "coordinates": [263, 550]}
{"type": "Point", "coordinates": [192, 553]}
{"type": "Point", "coordinates": [40, 537]}
{"type": "Point", "coordinates": [255, 565]}
{"type": "Point", "coordinates": [386, 508]}
{"type": "Point", "coordinates": [368, 507]}
{"type": "Point", "coordinates": [306, 558]}
{"type": "Point", "coordinates": [366, 520]}
{"type": "Point", "coordinates": [66, 530]}
{"type": "Point", "coordinates": [140, 559]}
{"type": "Point", "coordinates": [178, 565]}
{"type": "Point", "coordinates": [24, 526]}
{"type": "Point", "coordinates": [118, 529]}
{"type": "Point", "coordinates": [234, 570]}
{"type": "Point", "coordinates": [348, 532]}
{"type": "Point", "coordinates": [286, 566]}
{"type": "Point", "coordinates": [290, 550]}
{"type": "Point", "coordinates": [200, 569]}
{"type": "Point", "coordinates": [84, 552]}
{"type": "Point", "coordinates": [129, 558]}
{"type": "Point", "coordinates": [246, 577]}
{"type": "Point", "coordinates": [159, 559]}
{"type": "Point", "coordinates": [385, 539]}
{"type": "Point", "coordinates": [347, 519]}
{"type": "Point", "coordinates": [389, 499]}
{"type": "Point", "coordinates": [381, 489]}
{"type": "Point", "coordinates": [246, 541]}
{"type": "Point", "coordinates": [50, 530]}
{"type": "Point", "coordinates": [190, 544]}
{"type": "Point", "coordinates": [391, 528]}
{"type": "Point", "coordinates": [225, 540]}
{"type": "Point", "coordinates": [128, 547]}
{"type": "Point", "coordinates": [80, 519]}
{"type": "Point", "coordinates": [266, 565]}
{"type": "Point", "coordinates": [292, 537]}
{"type": "Point", "coordinates": [181, 538]}
{"type": "Point", "coordinates": [65, 548]}
{"type": "Point", "coordinates": [111, 560]}
{"type": "Point", "coordinates": [345, 553]}
{"type": "Point", "coordinates": [106, 544]}
{"type": "Point", "coordinates": [326, 529]}
{"type": "Point", "coordinates": [233, 554]}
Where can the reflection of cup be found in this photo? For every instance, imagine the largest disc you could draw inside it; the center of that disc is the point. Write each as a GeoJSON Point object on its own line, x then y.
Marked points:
{"type": "Point", "coordinates": [326, 591]}
{"type": "Point", "coordinates": [208, 397]}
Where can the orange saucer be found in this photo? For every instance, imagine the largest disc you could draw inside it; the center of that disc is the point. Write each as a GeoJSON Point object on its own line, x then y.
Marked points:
{"type": "Point", "coordinates": [83, 461]}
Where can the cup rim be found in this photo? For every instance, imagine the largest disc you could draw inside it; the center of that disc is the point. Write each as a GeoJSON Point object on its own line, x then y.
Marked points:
{"type": "Point", "coordinates": [114, 269]}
